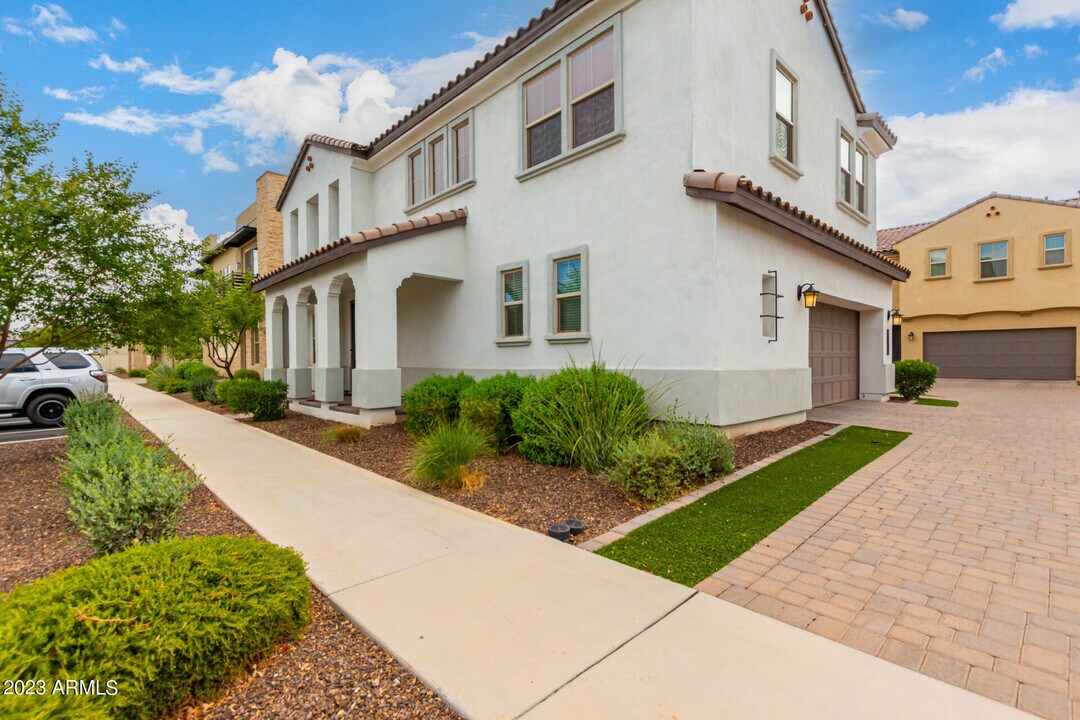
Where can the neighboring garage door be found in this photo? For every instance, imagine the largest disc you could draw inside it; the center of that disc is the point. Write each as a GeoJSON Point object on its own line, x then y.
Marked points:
{"type": "Point", "coordinates": [1038, 354]}
{"type": "Point", "coordinates": [834, 354]}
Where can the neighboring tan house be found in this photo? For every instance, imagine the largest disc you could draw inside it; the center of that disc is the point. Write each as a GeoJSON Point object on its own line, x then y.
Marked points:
{"type": "Point", "coordinates": [606, 182]}
{"type": "Point", "coordinates": [253, 249]}
{"type": "Point", "coordinates": [993, 290]}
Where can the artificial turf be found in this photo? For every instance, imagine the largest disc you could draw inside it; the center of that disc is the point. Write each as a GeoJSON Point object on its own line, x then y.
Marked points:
{"type": "Point", "coordinates": [691, 543]}
{"type": "Point", "coordinates": [939, 403]}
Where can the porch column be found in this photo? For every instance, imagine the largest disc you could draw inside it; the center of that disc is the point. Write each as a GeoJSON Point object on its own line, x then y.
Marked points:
{"type": "Point", "coordinates": [275, 339]}
{"type": "Point", "coordinates": [328, 377]}
{"type": "Point", "coordinates": [377, 378]}
{"type": "Point", "coordinates": [299, 372]}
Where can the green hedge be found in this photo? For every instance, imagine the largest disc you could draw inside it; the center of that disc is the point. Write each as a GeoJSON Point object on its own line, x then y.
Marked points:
{"type": "Point", "coordinates": [915, 378]}
{"type": "Point", "coordinates": [490, 404]}
{"type": "Point", "coordinates": [433, 402]}
{"type": "Point", "coordinates": [136, 373]}
{"type": "Point", "coordinates": [188, 370]}
{"type": "Point", "coordinates": [263, 399]}
{"type": "Point", "coordinates": [166, 622]}
{"type": "Point", "coordinates": [245, 374]}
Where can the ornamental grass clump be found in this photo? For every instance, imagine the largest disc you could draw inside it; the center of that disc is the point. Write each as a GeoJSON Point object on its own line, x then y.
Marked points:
{"type": "Point", "coordinates": [343, 434]}
{"type": "Point", "coordinates": [162, 623]}
{"type": "Point", "coordinates": [442, 457]}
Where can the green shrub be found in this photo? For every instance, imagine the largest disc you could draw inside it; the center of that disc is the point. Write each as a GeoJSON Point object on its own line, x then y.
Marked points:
{"type": "Point", "coordinates": [343, 434]}
{"type": "Point", "coordinates": [187, 370]}
{"type": "Point", "coordinates": [434, 401]}
{"type": "Point", "coordinates": [241, 395]}
{"type": "Point", "coordinates": [120, 370]}
{"type": "Point", "coordinates": [271, 400]}
{"type": "Point", "coordinates": [245, 374]}
{"type": "Point", "coordinates": [157, 376]}
{"type": "Point", "coordinates": [173, 385]}
{"type": "Point", "coordinates": [136, 373]}
{"type": "Point", "coordinates": [88, 413]}
{"type": "Point", "coordinates": [221, 392]}
{"type": "Point", "coordinates": [441, 457]}
{"type": "Point", "coordinates": [578, 416]}
{"type": "Point", "coordinates": [703, 451]}
{"type": "Point", "coordinates": [166, 622]}
{"type": "Point", "coordinates": [648, 467]}
{"type": "Point", "coordinates": [202, 387]}
{"type": "Point", "coordinates": [490, 404]}
{"type": "Point", "coordinates": [915, 378]}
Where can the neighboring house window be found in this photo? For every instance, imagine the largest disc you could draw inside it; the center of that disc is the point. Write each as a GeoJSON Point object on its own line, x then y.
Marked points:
{"type": "Point", "coordinates": [543, 117]}
{"type": "Point", "coordinates": [1054, 249]}
{"type": "Point", "coordinates": [462, 139]}
{"type": "Point", "coordinates": [994, 260]}
{"type": "Point", "coordinates": [513, 286]}
{"type": "Point", "coordinates": [416, 176]}
{"type": "Point", "coordinates": [568, 291]}
{"type": "Point", "coordinates": [860, 179]}
{"type": "Point", "coordinates": [592, 90]}
{"type": "Point", "coordinates": [251, 260]}
{"type": "Point", "coordinates": [939, 262]}
{"type": "Point", "coordinates": [437, 155]}
{"type": "Point", "coordinates": [441, 163]}
{"type": "Point", "coordinates": [255, 345]}
{"type": "Point", "coordinates": [845, 168]}
{"type": "Point", "coordinates": [784, 93]}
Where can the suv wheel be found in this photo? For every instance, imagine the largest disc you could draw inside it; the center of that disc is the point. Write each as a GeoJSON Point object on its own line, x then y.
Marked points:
{"type": "Point", "coordinates": [47, 410]}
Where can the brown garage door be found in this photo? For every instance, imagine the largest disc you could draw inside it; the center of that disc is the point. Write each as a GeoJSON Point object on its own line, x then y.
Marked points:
{"type": "Point", "coordinates": [834, 354]}
{"type": "Point", "coordinates": [1037, 354]}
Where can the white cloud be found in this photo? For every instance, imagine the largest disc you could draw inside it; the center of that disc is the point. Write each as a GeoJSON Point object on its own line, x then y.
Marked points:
{"type": "Point", "coordinates": [1033, 51]}
{"type": "Point", "coordinates": [133, 120]}
{"type": "Point", "coordinates": [990, 64]}
{"type": "Point", "coordinates": [135, 64]}
{"type": "Point", "coordinates": [1038, 14]}
{"type": "Point", "coordinates": [89, 94]}
{"type": "Point", "coordinates": [54, 23]}
{"type": "Point", "coordinates": [115, 27]}
{"type": "Point", "coordinates": [192, 142]}
{"type": "Point", "coordinates": [902, 19]}
{"type": "Point", "coordinates": [174, 221]}
{"type": "Point", "coordinates": [13, 26]}
{"type": "Point", "coordinates": [215, 160]}
{"type": "Point", "coordinates": [176, 80]}
{"type": "Point", "coordinates": [1019, 145]}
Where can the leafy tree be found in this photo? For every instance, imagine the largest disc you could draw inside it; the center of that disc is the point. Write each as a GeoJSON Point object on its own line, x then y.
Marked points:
{"type": "Point", "coordinates": [77, 261]}
{"type": "Point", "coordinates": [226, 311]}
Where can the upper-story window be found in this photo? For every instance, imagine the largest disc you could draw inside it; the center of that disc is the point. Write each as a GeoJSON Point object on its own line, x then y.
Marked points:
{"type": "Point", "coordinates": [573, 99]}
{"type": "Point", "coordinates": [845, 168]}
{"type": "Point", "coordinates": [251, 260]}
{"type": "Point", "coordinates": [860, 179]}
{"type": "Point", "coordinates": [784, 113]}
{"type": "Point", "coordinates": [854, 174]}
{"type": "Point", "coordinates": [939, 262]}
{"type": "Point", "coordinates": [1054, 249]}
{"type": "Point", "coordinates": [443, 162]}
{"type": "Point", "coordinates": [994, 260]}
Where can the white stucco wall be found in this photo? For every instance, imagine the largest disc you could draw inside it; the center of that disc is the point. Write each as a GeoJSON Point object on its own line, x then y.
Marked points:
{"type": "Point", "coordinates": [674, 281]}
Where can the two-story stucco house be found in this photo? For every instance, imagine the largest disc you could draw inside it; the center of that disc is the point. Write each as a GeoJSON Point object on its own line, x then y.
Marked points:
{"type": "Point", "coordinates": [653, 181]}
{"type": "Point", "coordinates": [993, 290]}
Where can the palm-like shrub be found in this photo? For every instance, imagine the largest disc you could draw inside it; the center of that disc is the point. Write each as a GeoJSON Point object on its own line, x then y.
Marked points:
{"type": "Point", "coordinates": [442, 456]}
{"type": "Point", "coordinates": [158, 374]}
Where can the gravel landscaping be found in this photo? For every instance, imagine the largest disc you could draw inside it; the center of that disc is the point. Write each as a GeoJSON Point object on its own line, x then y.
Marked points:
{"type": "Point", "coordinates": [334, 670]}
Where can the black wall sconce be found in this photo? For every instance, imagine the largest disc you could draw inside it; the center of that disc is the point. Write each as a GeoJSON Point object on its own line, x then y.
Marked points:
{"type": "Point", "coordinates": [808, 295]}
{"type": "Point", "coordinates": [911, 336]}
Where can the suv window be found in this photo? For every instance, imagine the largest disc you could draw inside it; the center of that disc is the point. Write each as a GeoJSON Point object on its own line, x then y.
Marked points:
{"type": "Point", "coordinates": [68, 360]}
{"type": "Point", "coordinates": [7, 360]}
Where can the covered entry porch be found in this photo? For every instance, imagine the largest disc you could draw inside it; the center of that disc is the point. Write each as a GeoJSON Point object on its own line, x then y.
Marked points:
{"type": "Point", "coordinates": [332, 316]}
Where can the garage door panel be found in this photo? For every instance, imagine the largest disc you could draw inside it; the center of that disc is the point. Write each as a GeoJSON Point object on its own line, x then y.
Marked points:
{"type": "Point", "coordinates": [1030, 354]}
{"type": "Point", "coordinates": [834, 355]}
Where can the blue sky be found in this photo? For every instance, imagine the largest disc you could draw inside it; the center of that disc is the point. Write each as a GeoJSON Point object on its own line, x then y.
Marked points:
{"type": "Point", "coordinates": [207, 95]}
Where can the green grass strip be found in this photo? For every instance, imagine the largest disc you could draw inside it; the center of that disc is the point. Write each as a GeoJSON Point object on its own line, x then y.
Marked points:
{"type": "Point", "coordinates": [938, 403]}
{"type": "Point", "coordinates": [691, 543]}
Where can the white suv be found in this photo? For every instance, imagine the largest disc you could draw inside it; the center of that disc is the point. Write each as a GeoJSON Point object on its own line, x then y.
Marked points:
{"type": "Point", "coordinates": [41, 387]}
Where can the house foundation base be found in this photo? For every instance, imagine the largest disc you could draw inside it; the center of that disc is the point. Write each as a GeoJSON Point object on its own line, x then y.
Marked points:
{"type": "Point", "coordinates": [360, 417]}
{"type": "Point", "coordinates": [756, 426]}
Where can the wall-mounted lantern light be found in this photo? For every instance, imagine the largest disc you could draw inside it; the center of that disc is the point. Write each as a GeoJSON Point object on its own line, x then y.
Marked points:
{"type": "Point", "coordinates": [808, 295]}
{"type": "Point", "coordinates": [911, 336]}
{"type": "Point", "coordinates": [897, 317]}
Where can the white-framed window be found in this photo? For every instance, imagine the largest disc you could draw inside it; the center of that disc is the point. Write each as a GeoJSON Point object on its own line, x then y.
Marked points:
{"type": "Point", "coordinates": [784, 124]}
{"type": "Point", "coordinates": [938, 259]}
{"type": "Point", "coordinates": [442, 163]}
{"type": "Point", "coordinates": [860, 179]}
{"type": "Point", "coordinates": [568, 283]}
{"type": "Point", "coordinates": [853, 177]}
{"type": "Point", "coordinates": [513, 304]}
{"type": "Point", "coordinates": [1054, 249]}
{"type": "Point", "coordinates": [845, 167]}
{"type": "Point", "coordinates": [572, 102]}
{"type": "Point", "coordinates": [994, 260]}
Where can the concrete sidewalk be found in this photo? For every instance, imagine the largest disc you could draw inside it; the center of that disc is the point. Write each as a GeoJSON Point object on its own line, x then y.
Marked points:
{"type": "Point", "coordinates": [505, 623]}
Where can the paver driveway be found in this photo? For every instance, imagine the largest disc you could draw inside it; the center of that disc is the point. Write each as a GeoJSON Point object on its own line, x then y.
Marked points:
{"type": "Point", "coordinates": [957, 554]}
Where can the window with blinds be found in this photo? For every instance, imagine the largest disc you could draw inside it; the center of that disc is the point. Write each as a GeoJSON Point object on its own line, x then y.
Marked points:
{"type": "Point", "coordinates": [543, 116]}
{"type": "Point", "coordinates": [513, 314]}
{"type": "Point", "coordinates": [568, 295]}
{"type": "Point", "coordinates": [784, 90]}
{"type": "Point", "coordinates": [442, 163]}
{"type": "Point", "coordinates": [592, 90]}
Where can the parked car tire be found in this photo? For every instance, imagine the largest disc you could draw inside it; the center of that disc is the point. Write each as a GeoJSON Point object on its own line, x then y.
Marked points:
{"type": "Point", "coordinates": [47, 410]}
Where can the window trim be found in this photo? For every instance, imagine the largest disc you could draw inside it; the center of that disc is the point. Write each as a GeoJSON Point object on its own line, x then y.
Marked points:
{"type": "Point", "coordinates": [500, 337]}
{"type": "Point", "coordinates": [1008, 260]}
{"type": "Point", "coordinates": [1067, 262]}
{"type": "Point", "coordinates": [791, 167]}
{"type": "Point", "coordinates": [948, 263]}
{"type": "Point", "coordinates": [841, 202]}
{"type": "Point", "coordinates": [562, 58]}
{"type": "Point", "coordinates": [423, 147]}
{"type": "Point", "coordinates": [583, 336]}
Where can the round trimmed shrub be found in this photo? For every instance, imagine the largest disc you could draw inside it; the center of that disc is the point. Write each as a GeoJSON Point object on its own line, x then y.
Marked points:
{"type": "Point", "coordinates": [490, 404]}
{"type": "Point", "coordinates": [245, 374]}
{"type": "Point", "coordinates": [241, 395]}
{"type": "Point", "coordinates": [270, 400]}
{"type": "Point", "coordinates": [136, 373]}
{"type": "Point", "coordinates": [915, 378]}
{"type": "Point", "coordinates": [165, 622]}
{"type": "Point", "coordinates": [187, 370]}
{"type": "Point", "coordinates": [578, 416]}
{"type": "Point", "coordinates": [434, 401]}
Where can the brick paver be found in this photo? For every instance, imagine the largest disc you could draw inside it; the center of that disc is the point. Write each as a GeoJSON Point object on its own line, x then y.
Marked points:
{"type": "Point", "coordinates": [957, 554]}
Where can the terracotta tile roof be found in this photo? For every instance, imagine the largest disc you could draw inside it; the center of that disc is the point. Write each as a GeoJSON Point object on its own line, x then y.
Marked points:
{"type": "Point", "coordinates": [890, 236]}
{"type": "Point", "coordinates": [730, 184]}
{"type": "Point", "coordinates": [875, 121]}
{"type": "Point", "coordinates": [356, 243]}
